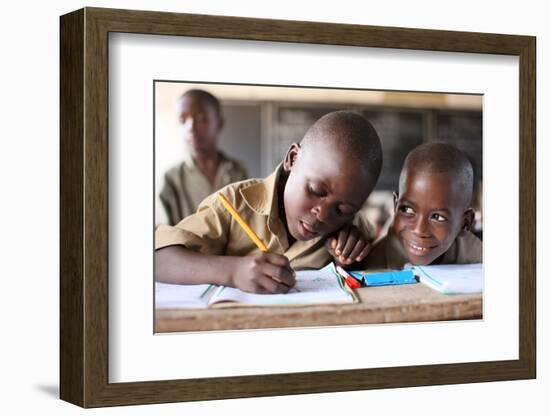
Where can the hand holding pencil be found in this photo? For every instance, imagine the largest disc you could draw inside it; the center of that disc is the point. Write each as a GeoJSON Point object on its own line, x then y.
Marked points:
{"type": "Point", "coordinates": [260, 272]}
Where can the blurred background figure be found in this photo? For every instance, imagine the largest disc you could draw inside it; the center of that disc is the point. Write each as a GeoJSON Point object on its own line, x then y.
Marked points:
{"type": "Point", "coordinates": [206, 168]}
{"type": "Point", "coordinates": [379, 211]}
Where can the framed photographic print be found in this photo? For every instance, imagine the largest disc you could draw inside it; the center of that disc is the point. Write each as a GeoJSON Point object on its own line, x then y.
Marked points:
{"type": "Point", "coordinates": [125, 82]}
{"type": "Point", "coordinates": [260, 122]}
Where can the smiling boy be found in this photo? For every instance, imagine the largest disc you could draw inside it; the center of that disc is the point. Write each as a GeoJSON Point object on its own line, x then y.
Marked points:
{"type": "Point", "coordinates": [304, 213]}
{"type": "Point", "coordinates": [432, 212]}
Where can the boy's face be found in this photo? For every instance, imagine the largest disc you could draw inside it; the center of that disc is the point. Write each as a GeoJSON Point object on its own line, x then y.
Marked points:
{"type": "Point", "coordinates": [200, 124]}
{"type": "Point", "coordinates": [429, 215]}
{"type": "Point", "coordinates": [323, 191]}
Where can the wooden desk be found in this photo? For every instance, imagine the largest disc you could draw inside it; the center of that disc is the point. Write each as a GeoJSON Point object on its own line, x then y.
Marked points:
{"type": "Point", "coordinates": [403, 303]}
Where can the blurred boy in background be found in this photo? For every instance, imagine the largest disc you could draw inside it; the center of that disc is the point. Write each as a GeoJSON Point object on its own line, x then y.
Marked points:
{"type": "Point", "coordinates": [206, 169]}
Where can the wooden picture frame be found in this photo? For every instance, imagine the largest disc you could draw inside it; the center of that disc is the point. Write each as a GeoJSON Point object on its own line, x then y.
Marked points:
{"type": "Point", "coordinates": [84, 207]}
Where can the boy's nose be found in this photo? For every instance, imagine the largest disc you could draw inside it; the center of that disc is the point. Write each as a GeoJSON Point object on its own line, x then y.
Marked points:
{"type": "Point", "coordinates": [321, 213]}
{"type": "Point", "coordinates": [421, 227]}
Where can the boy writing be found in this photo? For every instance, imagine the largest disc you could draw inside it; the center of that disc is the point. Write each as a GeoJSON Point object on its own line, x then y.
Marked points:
{"type": "Point", "coordinates": [303, 213]}
{"type": "Point", "coordinates": [432, 212]}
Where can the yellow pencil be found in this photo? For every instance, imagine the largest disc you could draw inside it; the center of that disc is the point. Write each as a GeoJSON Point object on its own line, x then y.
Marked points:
{"type": "Point", "coordinates": [249, 231]}
{"type": "Point", "coordinates": [242, 223]}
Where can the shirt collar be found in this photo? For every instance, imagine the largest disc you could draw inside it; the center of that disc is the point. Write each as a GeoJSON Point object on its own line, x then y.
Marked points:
{"type": "Point", "coordinates": [261, 196]}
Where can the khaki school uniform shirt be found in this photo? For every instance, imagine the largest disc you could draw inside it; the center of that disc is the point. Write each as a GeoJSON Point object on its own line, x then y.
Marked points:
{"type": "Point", "coordinates": [212, 230]}
{"type": "Point", "coordinates": [389, 253]}
{"type": "Point", "coordinates": [185, 186]}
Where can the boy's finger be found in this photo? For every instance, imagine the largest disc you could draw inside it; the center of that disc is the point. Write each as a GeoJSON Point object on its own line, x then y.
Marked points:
{"type": "Point", "coordinates": [256, 287]}
{"type": "Point", "coordinates": [282, 274]}
{"type": "Point", "coordinates": [364, 252]}
{"type": "Point", "coordinates": [277, 259]}
{"type": "Point", "coordinates": [331, 245]}
{"type": "Point", "coordinates": [282, 261]}
{"type": "Point", "coordinates": [342, 238]}
{"type": "Point", "coordinates": [272, 286]}
{"type": "Point", "coordinates": [344, 260]}
{"type": "Point", "coordinates": [350, 244]}
{"type": "Point", "coordinates": [359, 246]}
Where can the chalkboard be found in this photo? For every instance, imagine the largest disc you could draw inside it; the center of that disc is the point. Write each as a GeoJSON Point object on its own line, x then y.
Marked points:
{"type": "Point", "coordinates": [400, 132]}
{"type": "Point", "coordinates": [463, 130]}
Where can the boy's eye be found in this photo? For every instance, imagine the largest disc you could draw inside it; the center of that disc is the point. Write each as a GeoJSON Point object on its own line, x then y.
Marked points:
{"type": "Point", "coordinates": [406, 210]}
{"type": "Point", "coordinates": [316, 192]}
{"type": "Point", "coordinates": [439, 218]}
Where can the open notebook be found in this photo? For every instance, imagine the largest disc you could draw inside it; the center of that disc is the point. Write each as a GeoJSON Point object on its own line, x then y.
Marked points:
{"type": "Point", "coordinates": [451, 279]}
{"type": "Point", "coordinates": [313, 287]}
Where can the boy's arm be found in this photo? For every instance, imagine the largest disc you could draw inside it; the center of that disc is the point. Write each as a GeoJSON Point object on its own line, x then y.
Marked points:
{"type": "Point", "coordinates": [191, 252]}
{"type": "Point", "coordinates": [194, 252]}
{"type": "Point", "coordinates": [179, 265]}
{"type": "Point", "coordinates": [257, 273]}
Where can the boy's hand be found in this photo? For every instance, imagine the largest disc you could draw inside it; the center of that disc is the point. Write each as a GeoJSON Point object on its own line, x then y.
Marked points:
{"type": "Point", "coordinates": [263, 273]}
{"type": "Point", "coordinates": [348, 245]}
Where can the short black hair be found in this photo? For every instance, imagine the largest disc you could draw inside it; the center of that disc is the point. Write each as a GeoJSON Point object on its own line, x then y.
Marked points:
{"type": "Point", "coordinates": [353, 134]}
{"type": "Point", "coordinates": [210, 99]}
{"type": "Point", "coordinates": [437, 157]}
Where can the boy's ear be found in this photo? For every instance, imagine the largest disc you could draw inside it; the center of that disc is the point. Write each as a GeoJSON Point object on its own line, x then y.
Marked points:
{"type": "Point", "coordinates": [468, 219]}
{"type": "Point", "coordinates": [291, 156]}
{"type": "Point", "coordinates": [395, 199]}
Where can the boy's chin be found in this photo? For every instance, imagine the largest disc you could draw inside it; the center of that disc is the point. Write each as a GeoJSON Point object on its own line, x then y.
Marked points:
{"type": "Point", "coordinates": [302, 233]}
{"type": "Point", "coordinates": [423, 260]}
{"type": "Point", "coordinates": [299, 237]}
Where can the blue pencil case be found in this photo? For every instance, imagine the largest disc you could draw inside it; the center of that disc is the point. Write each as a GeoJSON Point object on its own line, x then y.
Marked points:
{"type": "Point", "coordinates": [385, 278]}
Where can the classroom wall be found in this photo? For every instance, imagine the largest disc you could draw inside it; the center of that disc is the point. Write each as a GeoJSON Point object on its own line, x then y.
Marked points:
{"type": "Point", "coordinates": [261, 122]}
{"type": "Point", "coordinates": [29, 213]}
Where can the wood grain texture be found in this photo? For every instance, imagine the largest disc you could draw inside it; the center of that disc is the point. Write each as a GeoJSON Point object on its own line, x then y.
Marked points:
{"type": "Point", "coordinates": [225, 27]}
{"type": "Point", "coordinates": [96, 218]}
{"type": "Point", "coordinates": [72, 368]}
{"type": "Point", "coordinates": [527, 209]}
{"type": "Point", "coordinates": [84, 206]}
{"type": "Point", "coordinates": [389, 304]}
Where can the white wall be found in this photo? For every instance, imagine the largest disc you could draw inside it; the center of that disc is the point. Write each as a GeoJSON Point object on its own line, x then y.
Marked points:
{"type": "Point", "coordinates": [29, 213]}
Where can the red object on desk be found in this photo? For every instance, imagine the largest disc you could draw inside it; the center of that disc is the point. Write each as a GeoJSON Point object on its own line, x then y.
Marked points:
{"type": "Point", "coordinates": [353, 283]}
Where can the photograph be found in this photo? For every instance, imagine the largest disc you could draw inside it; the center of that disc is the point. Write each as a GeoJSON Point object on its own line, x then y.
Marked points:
{"type": "Point", "coordinates": [286, 206]}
